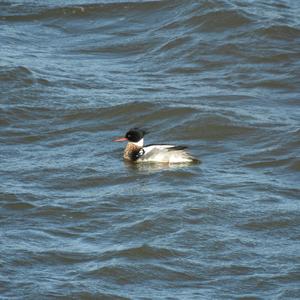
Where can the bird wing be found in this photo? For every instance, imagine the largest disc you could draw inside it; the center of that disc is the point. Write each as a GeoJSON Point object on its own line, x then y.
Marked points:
{"type": "Point", "coordinates": [163, 153]}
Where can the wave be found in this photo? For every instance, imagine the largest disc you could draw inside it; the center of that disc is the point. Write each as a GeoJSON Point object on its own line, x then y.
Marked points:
{"type": "Point", "coordinates": [38, 11]}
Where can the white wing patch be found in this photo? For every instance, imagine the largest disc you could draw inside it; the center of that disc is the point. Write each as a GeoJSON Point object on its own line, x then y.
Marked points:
{"type": "Point", "coordinates": [165, 154]}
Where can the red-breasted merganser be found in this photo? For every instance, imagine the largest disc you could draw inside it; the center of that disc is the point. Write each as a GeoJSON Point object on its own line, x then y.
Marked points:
{"type": "Point", "coordinates": [135, 150]}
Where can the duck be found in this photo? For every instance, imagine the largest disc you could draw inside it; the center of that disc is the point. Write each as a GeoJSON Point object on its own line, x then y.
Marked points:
{"type": "Point", "coordinates": [136, 152]}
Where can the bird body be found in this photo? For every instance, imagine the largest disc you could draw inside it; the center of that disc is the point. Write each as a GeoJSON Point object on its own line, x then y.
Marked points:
{"type": "Point", "coordinates": [135, 150]}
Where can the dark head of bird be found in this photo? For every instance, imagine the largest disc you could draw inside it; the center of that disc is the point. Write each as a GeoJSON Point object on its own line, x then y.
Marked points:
{"type": "Point", "coordinates": [134, 135]}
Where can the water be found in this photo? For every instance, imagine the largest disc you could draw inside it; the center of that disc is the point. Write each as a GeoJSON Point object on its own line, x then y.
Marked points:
{"type": "Point", "coordinates": [219, 76]}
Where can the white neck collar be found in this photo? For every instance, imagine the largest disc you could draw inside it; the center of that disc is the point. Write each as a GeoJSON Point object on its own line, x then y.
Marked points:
{"type": "Point", "coordinates": [140, 143]}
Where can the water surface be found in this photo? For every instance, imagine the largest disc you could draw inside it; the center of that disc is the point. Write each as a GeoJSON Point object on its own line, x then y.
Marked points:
{"type": "Point", "coordinates": [219, 76]}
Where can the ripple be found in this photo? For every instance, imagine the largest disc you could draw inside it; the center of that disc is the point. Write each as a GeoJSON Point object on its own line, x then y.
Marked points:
{"type": "Point", "coordinates": [139, 273]}
{"type": "Point", "coordinates": [296, 165]}
{"type": "Point", "coordinates": [282, 32]}
{"type": "Point", "coordinates": [18, 202]}
{"type": "Point", "coordinates": [19, 76]}
{"type": "Point", "coordinates": [271, 163]}
{"type": "Point", "coordinates": [273, 222]}
{"type": "Point", "coordinates": [96, 295]}
{"type": "Point", "coordinates": [19, 206]}
{"type": "Point", "coordinates": [142, 252]}
{"type": "Point", "coordinates": [219, 20]}
{"type": "Point", "coordinates": [52, 11]}
{"type": "Point", "coordinates": [213, 127]}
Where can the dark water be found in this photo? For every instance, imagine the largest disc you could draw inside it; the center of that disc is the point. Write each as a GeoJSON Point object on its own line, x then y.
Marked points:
{"type": "Point", "coordinates": [222, 77]}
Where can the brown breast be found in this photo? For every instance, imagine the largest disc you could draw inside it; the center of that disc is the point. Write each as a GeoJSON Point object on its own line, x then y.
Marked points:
{"type": "Point", "coordinates": [131, 152]}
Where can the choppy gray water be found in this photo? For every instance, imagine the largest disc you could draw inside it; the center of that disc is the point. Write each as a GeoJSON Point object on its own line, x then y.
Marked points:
{"type": "Point", "coordinates": [222, 77]}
